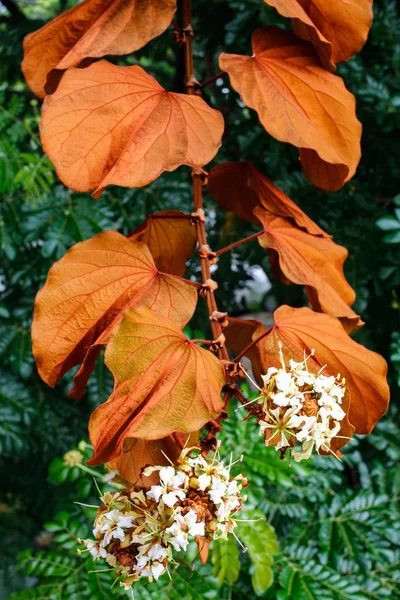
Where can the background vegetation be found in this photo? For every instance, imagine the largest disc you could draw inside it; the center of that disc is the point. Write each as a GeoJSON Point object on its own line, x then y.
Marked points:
{"type": "Point", "coordinates": [336, 523]}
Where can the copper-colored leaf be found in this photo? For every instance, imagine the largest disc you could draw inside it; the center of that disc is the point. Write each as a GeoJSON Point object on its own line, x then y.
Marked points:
{"type": "Point", "coordinates": [338, 28]}
{"type": "Point", "coordinates": [239, 187]}
{"type": "Point", "coordinates": [171, 240]}
{"type": "Point", "coordinates": [87, 291]}
{"type": "Point", "coordinates": [239, 334]}
{"type": "Point", "coordinates": [299, 330]}
{"type": "Point", "coordinates": [313, 261]}
{"type": "Point", "coordinates": [138, 454]}
{"type": "Point", "coordinates": [163, 383]}
{"type": "Point", "coordinates": [300, 252]}
{"type": "Point", "coordinates": [94, 28]}
{"type": "Point", "coordinates": [116, 125]}
{"type": "Point", "coordinates": [299, 102]}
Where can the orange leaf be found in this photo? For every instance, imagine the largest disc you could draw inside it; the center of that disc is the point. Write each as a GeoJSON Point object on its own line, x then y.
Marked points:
{"type": "Point", "coordinates": [160, 385]}
{"type": "Point", "coordinates": [94, 28]}
{"type": "Point", "coordinates": [301, 330]}
{"type": "Point", "coordinates": [299, 102]}
{"type": "Point", "coordinates": [138, 454]}
{"type": "Point", "coordinates": [170, 238]}
{"type": "Point", "coordinates": [116, 125]}
{"type": "Point", "coordinates": [241, 333]}
{"type": "Point", "coordinates": [239, 187]}
{"type": "Point", "coordinates": [87, 291]}
{"type": "Point", "coordinates": [338, 28]}
{"type": "Point", "coordinates": [312, 261]}
{"type": "Point", "coordinates": [300, 252]}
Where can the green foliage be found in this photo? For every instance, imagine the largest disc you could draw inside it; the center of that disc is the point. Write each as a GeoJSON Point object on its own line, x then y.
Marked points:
{"type": "Point", "coordinates": [260, 539]}
{"type": "Point", "coordinates": [225, 558]}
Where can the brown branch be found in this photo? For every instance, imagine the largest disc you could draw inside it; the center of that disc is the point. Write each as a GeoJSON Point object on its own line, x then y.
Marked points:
{"type": "Point", "coordinates": [250, 346]}
{"type": "Point", "coordinates": [239, 242]}
{"type": "Point", "coordinates": [212, 79]}
{"type": "Point", "coordinates": [198, 179]}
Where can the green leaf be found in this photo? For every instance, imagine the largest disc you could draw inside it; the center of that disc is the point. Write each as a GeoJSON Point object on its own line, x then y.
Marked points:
{"type": "Point", "coordinates": [388, 223]}
{"type": "Point", "coordinates": [225, 558]}
{"type": "Point", "coordinates": [260, 539]}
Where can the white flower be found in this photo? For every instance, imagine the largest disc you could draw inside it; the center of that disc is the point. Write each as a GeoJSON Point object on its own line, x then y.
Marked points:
{"type": "Point", "coordinates": [285, 382]}
{"type": "Point", "coordinates": [156, 552]}
{"type": "Point", "coordinates": [204, 481]}
{"type": "Point", "coordinates": [157, 570]}
{"type": "Point", "coordinates": [113, 525]}
{"type": "Point", "coordinates": [95, 549]}
{"type": "Point", "coordinates": [170, 488]}
{"type": "Point", "coordinates": [288, 398]}
{"type": "Point", "coordinates": [183, 527]}
{"type": "Point", "coordinates": [217, 491]}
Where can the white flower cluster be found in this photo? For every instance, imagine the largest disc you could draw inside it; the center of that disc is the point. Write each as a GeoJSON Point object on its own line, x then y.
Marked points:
{"type": "Point", "coordinates": [136, 530]}
{"type": "Point", "coordinates": [300, 407]}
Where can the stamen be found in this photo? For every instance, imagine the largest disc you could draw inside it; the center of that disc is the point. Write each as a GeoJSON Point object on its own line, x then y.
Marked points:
{"type": "Point", "coordinates": [250, 379]}
{"type": "Point", "coordinates": [87, 505]}
{"type": "Point", "coordinates": [168, 459]}
{"type": "Point", "coordinates": [239, 542]}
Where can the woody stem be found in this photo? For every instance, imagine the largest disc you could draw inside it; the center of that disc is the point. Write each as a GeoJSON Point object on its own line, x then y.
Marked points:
{"type": "Point", "coordinates": [212, 79]}
{"type": "Point", "coordinates": [197, 178]}
{"type": "Point", "coordinates": [239, 242]}
{"type": "Point", "coordinates": [251, 345]}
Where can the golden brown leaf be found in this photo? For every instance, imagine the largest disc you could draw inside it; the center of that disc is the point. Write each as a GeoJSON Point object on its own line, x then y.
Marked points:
{"type": "Point", "coordinates": [313, 261]}
{"type": "Point", "coordinates": [301, 330]}
{"type": "Point", "coordinates": [93, 28]}
{"type": "Point", "coordinates": [87, 291]}
{"type": "Point", "coordinates": [160, 385]}
{"type": "Point", "coordinates": [300, 252]}
{"type": "Point", "coordinates": [239, 187]}
{"type": "Point", "coordinates": [116, 125]}
{"type": "Point", "coordinates": [299, 102]}
{"type": "Point", "coordinates": [138, 454]}
{"type": "Point", "coordinates": [337, 28]}
{"type": "Point", "coordinates": [170, 238]}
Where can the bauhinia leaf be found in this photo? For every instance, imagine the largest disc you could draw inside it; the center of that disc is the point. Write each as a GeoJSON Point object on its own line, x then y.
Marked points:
{"type": "Point", "coordinates": [138, 454]}
{"type": "Point", "coordinates": [93, 28]}
{"type": "Point", "coordinates": [170, 238]}
{"type": "Point", "coordinates": [313, 261]}
{"type": "Point", "coordinates": [86, 293]}
{"type": "Point", "coordinates": [338, 29]}
{"type": "Point", "coordinates": [299, 102]}
{"type": "Point", "coordinates": [239, 187]}
{"type": "Point", "coordinates": [163, 383]}
{"type": "Point", "coordinates": [301, 330]}
{"type": "Point", "coordinates": [116, 125]}
{"type": "Point", "coordinates": [300, 252]}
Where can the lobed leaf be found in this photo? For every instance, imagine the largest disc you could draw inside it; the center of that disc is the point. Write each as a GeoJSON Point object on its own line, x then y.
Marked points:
{"type": "Point", "coordinates": [85, 295]}
{"type": "Point", "coordinates": [116, 125]}
{"type": "Point", "coordinates": [299, 102]}
{"type": "Point", "coordinates": [93, 29]}
{"type": "Point", "coordinates": [160, 387]}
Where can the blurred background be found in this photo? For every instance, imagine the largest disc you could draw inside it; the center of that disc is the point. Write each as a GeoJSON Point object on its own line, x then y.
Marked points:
{"type": "Point", "coordinates": [330, 529]}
